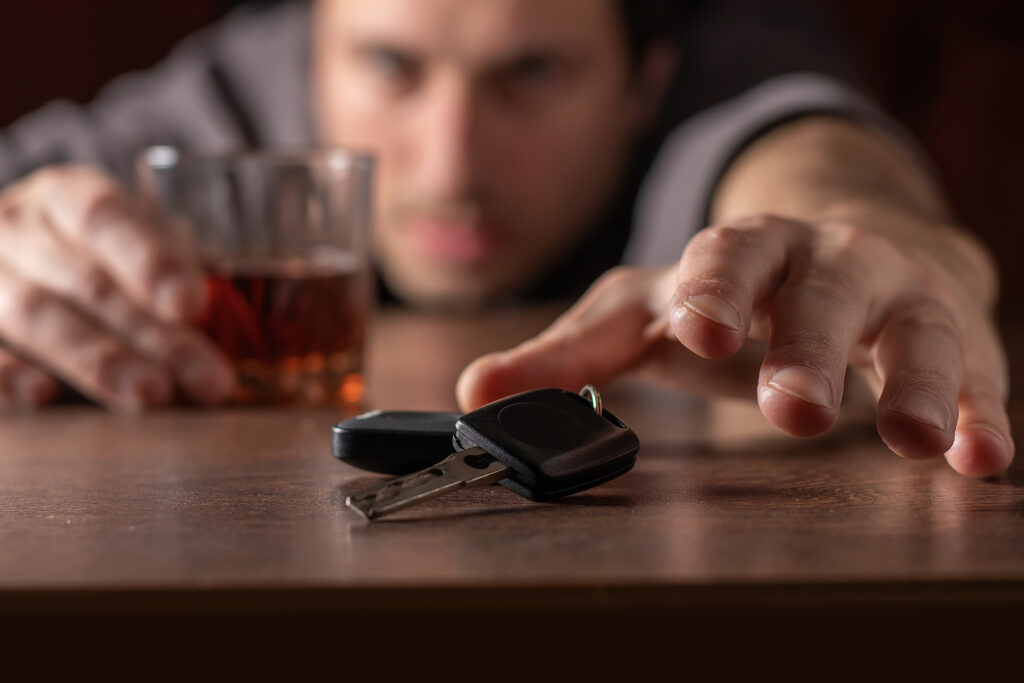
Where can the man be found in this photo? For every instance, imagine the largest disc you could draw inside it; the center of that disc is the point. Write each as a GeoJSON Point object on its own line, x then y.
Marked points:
{"type": "Point", "coordinates": [504, 131]}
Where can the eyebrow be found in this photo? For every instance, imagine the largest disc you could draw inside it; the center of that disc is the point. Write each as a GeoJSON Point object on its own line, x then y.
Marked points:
{"type": "Point", "coordinates": [374, 44]}
{"type": "Point", "coordinates": [364, 38]}
{"type": "Point", "coordinates": [545, 50]}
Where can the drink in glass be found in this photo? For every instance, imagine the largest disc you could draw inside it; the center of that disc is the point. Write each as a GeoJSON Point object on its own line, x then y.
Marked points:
{"type": "Point", "coordinates": [283, 239]}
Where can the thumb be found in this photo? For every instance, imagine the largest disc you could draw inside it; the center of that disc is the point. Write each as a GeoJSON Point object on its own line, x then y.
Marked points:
{"type": "Point", "coordinates": [602, 335]}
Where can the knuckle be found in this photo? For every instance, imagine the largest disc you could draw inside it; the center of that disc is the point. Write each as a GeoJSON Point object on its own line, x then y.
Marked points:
{"type": "Point", "coordinates": [102, 205]}
{"type": "Point", "coordinates": [21, 302]}
{"type": "Point", "coordinates": [146, 264]}
{"type": "Point", "coordinates": [934, 285]}
{"type": "Point", "coordinates": [846, 235]}
{"type": "Point", "coordinates": [726, 239]}
{"type": "Point", "coordinates": [809, 347]}
{"type": "Point", "coordinates": [929, 318]}
{"type": "Point", "coordinates": [21, 383]}
{"type": "Point", "coordinates": [978, 259]}
{"type": "Point", "coordinates": [98, 359]}
{"type": "Point", "coordinates": [169, 345]}
{"type": "Point", "coordinates": [11, 211]}
{"type": "Point", "coordinates": [764, 220]}
{"type": "Point", "coordinates": [831, 284]}
{"type": "Point", "coordinates": [94, 287]}
{"type": "Point", "coordinates": [847, 240]}
{"type": "Point", "coordinates": [617, 280]}
{"type": "Point", "coordinates": [87, 198]}
{"type": "Point", "coordinates": [8, 376]}
{"type": "Point", "coordinates": [851, 243]}
{"type": "Point", "coordinates": [842, 241]}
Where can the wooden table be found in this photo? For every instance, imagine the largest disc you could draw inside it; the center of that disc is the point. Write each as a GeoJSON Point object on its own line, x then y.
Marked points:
{"type": "Point", "coordinates": [240, 512]}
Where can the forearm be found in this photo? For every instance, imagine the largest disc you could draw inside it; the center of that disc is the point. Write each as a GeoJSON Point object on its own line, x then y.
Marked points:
{"type": "Point", "coordinates": [822, 168]}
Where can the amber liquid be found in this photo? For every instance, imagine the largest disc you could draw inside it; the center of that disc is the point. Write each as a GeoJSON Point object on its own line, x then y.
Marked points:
{"type": "Point", "coordinates": [294, 331]}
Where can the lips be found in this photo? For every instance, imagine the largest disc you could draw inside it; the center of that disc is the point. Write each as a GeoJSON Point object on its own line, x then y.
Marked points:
{"type": "Point", "coordinates": [458, 244]}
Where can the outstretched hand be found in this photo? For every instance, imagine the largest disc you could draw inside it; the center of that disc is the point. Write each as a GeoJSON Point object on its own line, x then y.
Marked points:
{"type": "Point", "coordinates": [778, 309]}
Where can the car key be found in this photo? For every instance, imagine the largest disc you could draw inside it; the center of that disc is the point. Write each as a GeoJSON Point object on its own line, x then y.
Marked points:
{"type": "Point", "coordinates": [542, 444]}
{"type": "Point", "coordinates": [394, 441]}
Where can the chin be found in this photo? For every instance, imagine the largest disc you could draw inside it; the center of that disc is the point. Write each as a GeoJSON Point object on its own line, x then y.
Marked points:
{"type": "Point", "coordinates": [445, 300]}
{"type": "Point", "coordinates": [443, 293]}
{"type": "Point", "coordinates": [422, 280]}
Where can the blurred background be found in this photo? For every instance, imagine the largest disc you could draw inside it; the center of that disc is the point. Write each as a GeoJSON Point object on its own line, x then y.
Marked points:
{"type": "Point", "coordinates": [952, 71]}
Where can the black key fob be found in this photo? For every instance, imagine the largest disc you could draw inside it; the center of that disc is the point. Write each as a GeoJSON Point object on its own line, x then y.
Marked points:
{"type": "Point", "coordinates": [394, 441]}
{"type": "Point", "coordinates": [553, 441]}
{"type": "Point", "coordinates": [542, 444]}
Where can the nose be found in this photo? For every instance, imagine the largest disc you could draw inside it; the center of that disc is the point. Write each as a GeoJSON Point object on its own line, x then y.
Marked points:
{"type": "Point", "coordinates": [447, 141]}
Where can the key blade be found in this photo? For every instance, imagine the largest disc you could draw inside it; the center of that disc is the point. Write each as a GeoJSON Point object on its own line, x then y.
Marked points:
{"type": "Point", "coordinates": [470, 467]}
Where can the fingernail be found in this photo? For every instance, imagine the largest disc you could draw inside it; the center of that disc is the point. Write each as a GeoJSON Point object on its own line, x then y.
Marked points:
{"type": "Point", "coordinates": [138, 385]}
{"type": "Point", "coordinates": [1001, 444]}
{"type": "Point", "coordinates": [180, 297]}
{"type": "Point", "coordinates": [923, 407]}
{"type": "Point", "coordinates": [995, 439]}
{"type": "Point", "coordinates": [803, 383]}
{"type": "Point", "coordinates": [714, 309]}
{"type": "Point", "coordinates": [206, 379]}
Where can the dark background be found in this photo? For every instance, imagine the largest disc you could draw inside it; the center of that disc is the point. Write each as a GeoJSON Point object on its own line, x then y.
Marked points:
{"type": "Point", "coordinates": [952, 71]}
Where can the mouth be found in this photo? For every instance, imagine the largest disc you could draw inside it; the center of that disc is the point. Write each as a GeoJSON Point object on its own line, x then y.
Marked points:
{"type": "Point", "coordinates": [455, 243]}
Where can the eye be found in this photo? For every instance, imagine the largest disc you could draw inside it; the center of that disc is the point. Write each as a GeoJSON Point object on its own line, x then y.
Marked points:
{"type": "Point", "coordinates": [533, 78]}
{"type": "Point", "coordinates": [532, 70]}
{"type": "Point", "coordinates": [395, 67]}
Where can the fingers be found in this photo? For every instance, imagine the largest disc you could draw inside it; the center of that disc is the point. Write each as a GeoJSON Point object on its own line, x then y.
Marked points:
{"type": "Point", "coordinates": [983, 445]}
{"type": "Point", "coordinates": [818, 315]}
{"type": "Point", "coordinates": [800, 385]}
{"type": "Point", "coordinates": [919, 356]}
{"type": "Point", "coordinates": [50, 332]}
{"type": "Point", "coordinates": [96, 217]}
{"type": "Point", "coordinates": [90, 282]}
{"type": "Point", "coordinates": [723, 276]}
{"type": "Point", "coordinates": [39, 256]}
{"type": "Point", "coordinates": [602, 335]}
{"type": "Point", "coordinates": [22, 385]}
{"type": "Point", "coordinates": [813, 288]}
{"type": "Point", "coordinates": [199, 368]}
{"type": "Point", "coordinates": [832, 294]}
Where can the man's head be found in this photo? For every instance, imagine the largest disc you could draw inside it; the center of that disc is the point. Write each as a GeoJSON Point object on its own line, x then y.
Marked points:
{"type": "Point", "coordinates": [501, 128]}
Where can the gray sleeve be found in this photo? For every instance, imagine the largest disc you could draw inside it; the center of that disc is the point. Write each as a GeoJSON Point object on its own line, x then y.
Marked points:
{"type": "Point", "coordinates": [240, 83]}
{"type": "Point", "coordinates": [674, 199]}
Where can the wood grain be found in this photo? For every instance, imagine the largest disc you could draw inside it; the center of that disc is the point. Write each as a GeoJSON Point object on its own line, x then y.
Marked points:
{"type": "Point", "coordinates": [242, 509]}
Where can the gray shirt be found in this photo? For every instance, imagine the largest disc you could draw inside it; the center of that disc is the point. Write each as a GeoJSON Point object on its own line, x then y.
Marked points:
{"type": "Point", "coordinates": [244, 82]}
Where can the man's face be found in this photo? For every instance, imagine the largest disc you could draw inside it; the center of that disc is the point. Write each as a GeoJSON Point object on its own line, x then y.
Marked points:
{"type": "Point", "coordinates": [500, 129]}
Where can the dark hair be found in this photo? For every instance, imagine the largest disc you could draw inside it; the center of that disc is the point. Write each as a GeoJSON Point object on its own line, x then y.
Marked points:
{"type": "Point", "coordinates": [652, 21]}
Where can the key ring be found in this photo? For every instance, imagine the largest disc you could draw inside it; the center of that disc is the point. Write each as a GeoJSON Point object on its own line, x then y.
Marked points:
{"type": "Point", "coordinates": [591, 392]}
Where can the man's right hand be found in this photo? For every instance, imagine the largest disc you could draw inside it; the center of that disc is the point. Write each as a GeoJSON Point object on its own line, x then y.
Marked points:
{"type": "Point", "coordinates": [97, 290]}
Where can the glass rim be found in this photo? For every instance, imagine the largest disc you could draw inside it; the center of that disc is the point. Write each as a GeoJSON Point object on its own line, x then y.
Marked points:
{"type": "Point", "coordinates": [169, 156]}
